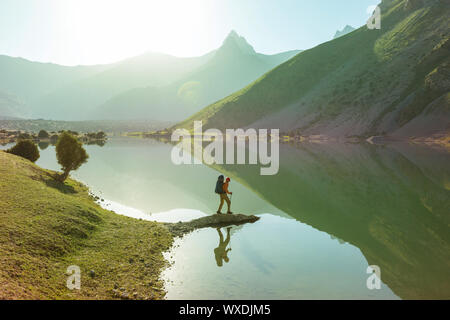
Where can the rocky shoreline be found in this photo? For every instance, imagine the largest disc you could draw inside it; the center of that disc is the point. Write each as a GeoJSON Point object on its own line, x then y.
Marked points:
{"type": "Point", "coordinates": [12, 136]}
{"type": "Point", "coordinates": [214, 221]}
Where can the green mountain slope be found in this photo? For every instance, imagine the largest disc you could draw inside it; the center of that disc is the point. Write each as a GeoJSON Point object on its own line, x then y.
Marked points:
{"type": "Point", "coordinates": [234, 65]}
{"type": "Point", "coordinates": [389, 81]}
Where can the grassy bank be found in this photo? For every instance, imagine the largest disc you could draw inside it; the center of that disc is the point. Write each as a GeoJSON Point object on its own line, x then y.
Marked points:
{"type": "Point", "coordinates": [46, 226]}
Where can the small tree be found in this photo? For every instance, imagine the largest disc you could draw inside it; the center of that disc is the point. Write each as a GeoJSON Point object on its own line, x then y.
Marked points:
{"type": "Point", "coordinates": [25, 149]}
{"type": "Point", "coordinates": [43, 134]}
{"type": "Point", "coordinates": [70, 154]}
{"type": "Point", "coordinates": [100, 135]}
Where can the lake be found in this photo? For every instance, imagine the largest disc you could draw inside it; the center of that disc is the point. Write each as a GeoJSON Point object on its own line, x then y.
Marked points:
{"type": "Point", "coordinates": [330, 212]}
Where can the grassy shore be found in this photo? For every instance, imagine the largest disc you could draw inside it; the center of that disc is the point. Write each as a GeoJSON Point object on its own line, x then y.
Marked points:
{"type": "Point", "coordinates": [46, 226]}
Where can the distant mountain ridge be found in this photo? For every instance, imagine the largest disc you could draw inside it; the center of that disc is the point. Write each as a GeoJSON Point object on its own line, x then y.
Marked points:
{"type": "Point", "coordinates": [151, 86]}
{"type": "Point", "coordinates": [27, 81]}
{"type": "Point", "coordinates": [232, 66]}
{"type": "Point", "coordinates": [234, 39]}
{"type": "Point", "coordinates": [77, 100]}
{"type": "Point", "coordinates": [393, 81]}
{"type": "Point", "coordinates": [347, 29]}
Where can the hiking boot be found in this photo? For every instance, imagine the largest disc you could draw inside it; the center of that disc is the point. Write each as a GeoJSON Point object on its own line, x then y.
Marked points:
{"type": "Point", "coordinates": [229, 212]}
{"type": "Point", "coordinates": [219, 212]}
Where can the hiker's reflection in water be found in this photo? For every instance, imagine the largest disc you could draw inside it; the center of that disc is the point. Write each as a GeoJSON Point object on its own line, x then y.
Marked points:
{"type": "Point", "coordinates": [221, 251]}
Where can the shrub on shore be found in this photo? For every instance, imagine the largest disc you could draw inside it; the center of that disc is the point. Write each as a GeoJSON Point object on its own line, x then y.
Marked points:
{"type": "Point", "coordinates": [25, 149]}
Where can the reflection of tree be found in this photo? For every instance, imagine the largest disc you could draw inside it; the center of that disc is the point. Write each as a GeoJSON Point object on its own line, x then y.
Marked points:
{"type": "Point", "coordinates": [375, 198]}
{"type": "Point", "coordinates": [99, 143]}
{"type": "Point", "coordinates": [43, 145]}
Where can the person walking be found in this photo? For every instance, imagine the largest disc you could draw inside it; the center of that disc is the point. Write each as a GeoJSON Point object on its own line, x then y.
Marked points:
{"type": "Point", "coordinates": [223, 192]}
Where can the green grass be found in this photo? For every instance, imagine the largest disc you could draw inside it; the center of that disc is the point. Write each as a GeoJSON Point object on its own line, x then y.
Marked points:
{"type": "Point", "coordinates": [46, 226]}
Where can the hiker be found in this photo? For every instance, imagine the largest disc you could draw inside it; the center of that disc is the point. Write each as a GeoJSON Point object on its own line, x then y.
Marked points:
{"type": "Point", "coordinates": [222, 191]}
{"type": "Point", "coordinates": [221, 252]}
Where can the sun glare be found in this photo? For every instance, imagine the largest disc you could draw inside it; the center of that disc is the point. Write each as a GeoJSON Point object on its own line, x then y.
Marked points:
{"type": "Point", "coordinates": [112, 29]}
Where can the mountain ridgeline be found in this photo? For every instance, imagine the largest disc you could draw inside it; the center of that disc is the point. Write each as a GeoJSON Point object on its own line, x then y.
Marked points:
{"type": "Point", "coordinates": [79, 100]}
{"type": "Point", "coordinates": [233, 66]}
{"type": "Point", "coordinates": [344, 31]}
{"type": "Point", "coordinates": [23, 82]}
{"type": "Point", "coordinates": [389, 81]}
{"type": "Point", "coordinates": [150, 86]}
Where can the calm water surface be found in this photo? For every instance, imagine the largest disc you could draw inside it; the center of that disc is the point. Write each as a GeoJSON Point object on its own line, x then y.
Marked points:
{"type": "Point", "coordinates": [332, 211]}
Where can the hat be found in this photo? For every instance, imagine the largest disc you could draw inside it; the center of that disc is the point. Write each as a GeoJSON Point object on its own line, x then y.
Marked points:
{"type": "Point", "coordinates": [228, 179]}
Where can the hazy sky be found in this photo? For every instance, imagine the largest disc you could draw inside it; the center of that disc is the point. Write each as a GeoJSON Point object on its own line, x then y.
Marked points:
{"type": "Point", "coordinates": [74, 32]}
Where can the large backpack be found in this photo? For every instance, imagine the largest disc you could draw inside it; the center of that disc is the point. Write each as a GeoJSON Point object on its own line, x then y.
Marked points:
{"type": "Point", "coordinates": [219, 185]}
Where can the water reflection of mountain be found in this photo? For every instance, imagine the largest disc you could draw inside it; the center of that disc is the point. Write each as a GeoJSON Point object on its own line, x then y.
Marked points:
{"type": "Point", "coordinates": [391, 202]}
